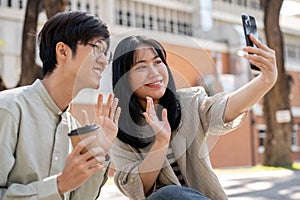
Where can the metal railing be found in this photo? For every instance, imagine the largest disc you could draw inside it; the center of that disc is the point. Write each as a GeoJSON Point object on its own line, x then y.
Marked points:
{"type": "Point", "coordinates": [17, 4]}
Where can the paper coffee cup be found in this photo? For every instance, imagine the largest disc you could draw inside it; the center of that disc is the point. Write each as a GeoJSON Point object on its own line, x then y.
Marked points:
{"type": "Point", "coordinates": [81, 133]}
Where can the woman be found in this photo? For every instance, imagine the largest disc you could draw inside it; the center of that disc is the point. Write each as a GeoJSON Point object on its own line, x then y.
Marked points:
{"type": "Point", "coordinates": [162, 132]}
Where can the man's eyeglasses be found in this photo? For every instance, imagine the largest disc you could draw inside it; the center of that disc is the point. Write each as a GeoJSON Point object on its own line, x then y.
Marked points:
{"type": "Point", "coordinates": [99, 50]}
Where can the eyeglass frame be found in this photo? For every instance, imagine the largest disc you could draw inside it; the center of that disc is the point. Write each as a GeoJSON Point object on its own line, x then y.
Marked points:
{"type": "Point", "coordinates": [101, 51]}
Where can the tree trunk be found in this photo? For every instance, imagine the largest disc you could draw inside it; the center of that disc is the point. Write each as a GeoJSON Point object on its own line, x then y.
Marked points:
{"type": "Point", "coordinates": [2, 85]}
{"type": "Point", "coordinates": [278, 135]}
{"type": "Point", "coordinates": [30, 70]}
{"type": "Point", "coordinates": [54, 6]}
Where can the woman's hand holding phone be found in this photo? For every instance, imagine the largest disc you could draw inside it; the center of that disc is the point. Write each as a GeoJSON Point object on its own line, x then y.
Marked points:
{"type": "Point", "coordinates": [249, 26]}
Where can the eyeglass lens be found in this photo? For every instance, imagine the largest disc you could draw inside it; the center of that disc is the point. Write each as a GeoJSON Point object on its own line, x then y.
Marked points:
{"type": "Point", "coordinates": [100, 49]}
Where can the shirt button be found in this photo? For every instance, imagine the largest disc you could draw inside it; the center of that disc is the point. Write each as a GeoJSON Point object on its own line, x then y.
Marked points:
{"type": "Point", "coordinates": [55, 158]}
{"type": "Point", "coordinates": [131, 180]}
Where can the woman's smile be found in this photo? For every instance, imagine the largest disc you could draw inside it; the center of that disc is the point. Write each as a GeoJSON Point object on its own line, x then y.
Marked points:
{"type": "Point", "coordinates": [157, 84]}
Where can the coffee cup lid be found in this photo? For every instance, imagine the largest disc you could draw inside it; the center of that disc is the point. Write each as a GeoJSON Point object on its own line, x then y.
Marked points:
{"type": "Point", "coordinates": [83, 130]}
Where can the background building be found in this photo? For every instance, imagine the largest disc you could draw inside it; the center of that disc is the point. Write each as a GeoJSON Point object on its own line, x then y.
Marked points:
{"type": "Point", "coordinates": [203, 39]}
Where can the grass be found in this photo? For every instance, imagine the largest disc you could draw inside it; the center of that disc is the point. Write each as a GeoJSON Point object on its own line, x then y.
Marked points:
{"type": "Point", "coordinates": [294, 166]}
{"type": "Point", "coordinates": [258, 168]}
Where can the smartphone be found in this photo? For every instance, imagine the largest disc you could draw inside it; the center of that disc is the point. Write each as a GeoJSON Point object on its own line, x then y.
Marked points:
{"type": "Point", "coordinates": [249, 26]}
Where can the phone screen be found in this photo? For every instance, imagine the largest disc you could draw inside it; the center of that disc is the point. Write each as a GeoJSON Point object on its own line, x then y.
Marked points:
{"type": "Point", "coordinates": [249, 26]}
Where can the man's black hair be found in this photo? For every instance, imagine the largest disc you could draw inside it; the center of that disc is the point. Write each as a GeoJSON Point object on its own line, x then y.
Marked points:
{"type": "Point", "coordinates": [68, 27]}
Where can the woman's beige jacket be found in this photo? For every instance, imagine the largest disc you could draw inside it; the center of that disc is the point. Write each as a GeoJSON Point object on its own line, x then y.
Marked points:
{"type": "Point", "coordinates": [201, 125]}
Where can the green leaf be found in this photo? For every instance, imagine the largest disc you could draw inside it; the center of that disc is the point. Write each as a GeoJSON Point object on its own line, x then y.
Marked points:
{"type": "Point", "coordinates": [2, 43]}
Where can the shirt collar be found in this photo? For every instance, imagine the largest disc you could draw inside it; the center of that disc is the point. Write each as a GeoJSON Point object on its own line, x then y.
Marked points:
{"type": "Point", "coordinates": [46, 98]}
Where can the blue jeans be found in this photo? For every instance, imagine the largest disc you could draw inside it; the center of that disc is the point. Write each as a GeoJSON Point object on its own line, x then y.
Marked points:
{"type": "Point", "coordinates": [176, 192]}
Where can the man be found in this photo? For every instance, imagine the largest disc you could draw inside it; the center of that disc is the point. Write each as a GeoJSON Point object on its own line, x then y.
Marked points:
{"type": "Point", "coordinates": [36, 160]}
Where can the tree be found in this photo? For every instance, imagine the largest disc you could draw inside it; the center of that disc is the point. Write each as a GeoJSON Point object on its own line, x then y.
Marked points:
{"type": "Point", "coordinates": [278, 135]}
{"type": "Point", "coordinates": [30, 70]}
{"type": "Point", "coordinates": [2, 85]}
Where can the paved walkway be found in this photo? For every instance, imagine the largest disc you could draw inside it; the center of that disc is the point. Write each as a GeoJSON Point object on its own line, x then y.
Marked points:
{"type": "Point", "coordinates": [264, 185]}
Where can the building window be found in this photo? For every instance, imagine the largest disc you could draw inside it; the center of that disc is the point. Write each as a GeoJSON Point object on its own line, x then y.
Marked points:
{"type": "Point", "coordinates": [97, 10]}
{"type": "Point", "coordinates": [295, 146]}
{"type": "Point", "coordinates": [119, 18]}
{"type": "Point", "coordinates": [255, 4]}
{"type": "Point", "coordinates": [151, 22]}
{"type": "Point", "coordinates": [140, 20]}
{"type": "Point", "coordinates": [87, 7]}
{"type": "Point", "coordinates": [291, 51]}
{"type": "Point", "coordinates": [128, 18]}
{"type": "Point", "coordinates": [242, 3]}
{"type": "Point", "coordinates": [171, 26]}
{"type": "Point", "coordinates": [78, 5]}
{"type": "Point", "coordinates": [20, 4]}
{"type": "Point", "coordinates": [142, 15]}
{"type": "Point", "coordinates": [161, 23]}
{"type": "Point", "coordinates": [69, 6]}
{"type": "Point", "coordinates": [262, 135]}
